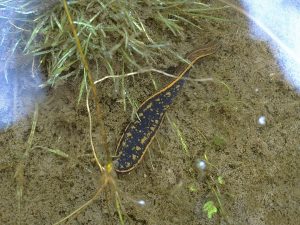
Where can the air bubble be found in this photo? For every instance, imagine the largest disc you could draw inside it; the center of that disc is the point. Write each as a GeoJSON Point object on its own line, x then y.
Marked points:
{"type": "Point", "coordinates": [141, 202]}
{"type": "Point", "coordinates": [262, 120]}
{"type": "Point", "coordinates": [201, 164]}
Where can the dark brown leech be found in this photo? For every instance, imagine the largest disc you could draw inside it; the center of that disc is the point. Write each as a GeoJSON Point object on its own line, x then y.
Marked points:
{"type": "Point", "coordinates": [140, 132]}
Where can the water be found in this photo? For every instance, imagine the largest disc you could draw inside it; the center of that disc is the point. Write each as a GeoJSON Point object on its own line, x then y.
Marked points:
{"type": "Point", "coordinates": [278, 23]}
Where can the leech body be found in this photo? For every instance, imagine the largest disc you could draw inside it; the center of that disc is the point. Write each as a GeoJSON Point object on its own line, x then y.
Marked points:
{"type": "Point", "coordinates": [140, 132]}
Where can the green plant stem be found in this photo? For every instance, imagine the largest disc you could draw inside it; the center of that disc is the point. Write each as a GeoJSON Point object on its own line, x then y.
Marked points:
{"type": "Point", "coordinates": [103, 133]}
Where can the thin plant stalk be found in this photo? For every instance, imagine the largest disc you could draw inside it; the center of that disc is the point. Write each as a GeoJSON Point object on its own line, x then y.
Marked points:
{"type": "Point", "coordinates": [103, 133]}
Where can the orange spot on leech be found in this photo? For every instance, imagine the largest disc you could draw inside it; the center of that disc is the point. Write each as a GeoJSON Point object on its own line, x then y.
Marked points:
{"type": "Point", "coordinates": [168, 94]}
{"type": "Point", "coordinates": [149, 105]}
{"type": "Point", "coordinates": [143, 140]}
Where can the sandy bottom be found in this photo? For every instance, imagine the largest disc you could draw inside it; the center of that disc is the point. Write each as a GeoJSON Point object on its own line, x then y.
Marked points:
{"type": "Point", "coordinates": [259, 164]}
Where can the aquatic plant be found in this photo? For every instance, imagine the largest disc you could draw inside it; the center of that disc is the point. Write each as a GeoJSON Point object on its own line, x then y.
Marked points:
{"type": "Point", "coordinates": [117, 36]}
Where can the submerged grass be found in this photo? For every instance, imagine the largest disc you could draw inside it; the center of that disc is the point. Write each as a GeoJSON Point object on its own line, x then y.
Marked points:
{"type": "Point", "coordinates": [180, 136]}
{"type": "Point", "coordinates": [117, 36]}
{"type": "Point", "coordinates": [20, 168]}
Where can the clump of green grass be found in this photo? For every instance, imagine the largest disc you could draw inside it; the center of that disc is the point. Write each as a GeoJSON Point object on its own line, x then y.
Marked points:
{"type": "Point", "coordinates": [117, 36]}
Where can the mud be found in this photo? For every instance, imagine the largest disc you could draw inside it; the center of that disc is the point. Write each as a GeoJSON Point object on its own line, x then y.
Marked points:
{"type": "Point", "coordinates": [258, 163]}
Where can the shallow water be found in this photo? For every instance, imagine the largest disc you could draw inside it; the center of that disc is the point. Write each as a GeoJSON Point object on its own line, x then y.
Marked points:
{"type": "Point", "coordinates": [259, 163]}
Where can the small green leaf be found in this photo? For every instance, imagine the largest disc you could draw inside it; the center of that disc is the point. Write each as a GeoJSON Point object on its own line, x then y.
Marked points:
{"type": "Point", "coordinates": [192, 188]}
{"type": "Point", "coordinates": [221, 180]}
{"type": "Point", "coordinates": [210, 208]}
